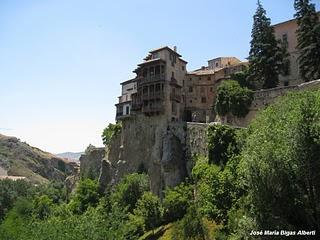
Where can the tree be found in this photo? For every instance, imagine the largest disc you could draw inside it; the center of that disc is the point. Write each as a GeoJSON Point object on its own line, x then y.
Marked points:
{"type": "Point", "coordinates": [176, 201]}
{"type": "Point", "coordinates": [130, 190]}
{"type": "Point", "coordinates": [86, 195]}
{"type": "Point", "coordinates": [109, 132]}
{"type": "Point", "coordinates": [222, 144]}
{"type": "Point", "coordinates": [280, 163]}
{"type": "Point", "coordinates": [308, 39]}
{"type": "Point", "coordinates": [265, 56]}
{"type": "Point", "coordinates": [150, 210]}
{"type": "Point", "coordinates": [233, 99]}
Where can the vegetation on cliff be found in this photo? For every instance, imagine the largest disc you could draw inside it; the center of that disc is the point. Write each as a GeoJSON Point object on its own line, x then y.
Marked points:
{"type": "Point", "coordinates": [263, 177]}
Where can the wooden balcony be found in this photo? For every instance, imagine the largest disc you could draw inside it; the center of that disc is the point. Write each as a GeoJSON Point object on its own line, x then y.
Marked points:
{"type": "Point", "coordinates": [153, 96]}
{"type": "Point", "coordinates": [152, 79]}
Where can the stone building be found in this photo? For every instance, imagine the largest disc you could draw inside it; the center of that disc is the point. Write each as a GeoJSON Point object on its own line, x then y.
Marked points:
{"type": "Point", "coordinates": [164, 87]}
{"type": "Point", "coordinates": [286, 33]}
{"type": "Point", "coordinates": [159, 83]}
{"type": "Point", "coordinates": [124, 103]}
{"type": "Point", "coordinates": [200, 87]}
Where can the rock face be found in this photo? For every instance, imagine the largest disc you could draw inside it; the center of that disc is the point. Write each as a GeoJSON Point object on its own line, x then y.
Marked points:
{"type": "Point", "coordinates": [147, 143]}
{"type": "Point", "coordinates": [21, 159]}
{"type": "Point", "coordinates": [90, 162]}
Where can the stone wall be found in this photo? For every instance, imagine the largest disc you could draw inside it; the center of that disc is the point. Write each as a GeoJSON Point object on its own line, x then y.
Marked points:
{"type": "Point", "coordinates": [265, 97]}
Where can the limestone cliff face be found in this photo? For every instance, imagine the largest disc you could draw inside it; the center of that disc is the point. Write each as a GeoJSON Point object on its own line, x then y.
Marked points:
{"type": "Point", "coordinates": [150, 143]}
{"type": "Point", "coordinates": [90, 162]}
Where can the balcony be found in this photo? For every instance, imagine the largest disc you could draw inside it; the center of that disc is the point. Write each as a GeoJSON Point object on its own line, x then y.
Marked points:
{"type": "Point", "coordinates": [152, 109]}
{"type": "Point", "coordinates": [151, 79]}
{"type": "Point", "coordinates": [153, 95]}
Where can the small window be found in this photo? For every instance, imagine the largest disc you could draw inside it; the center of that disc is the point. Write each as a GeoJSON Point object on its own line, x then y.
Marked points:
{"type": "Point", "coordinates": [199, 78]}
{"type": "Point", "coordinates": [190, 89]}
{"type": "Point", "coordinates": [190, 79]}
{"type": "Point", "coordinates": [211, 89]}
{"type": "Point", "coordinates": [217, 64]}
{"type": "Point", "coordinates": [190, 101]}
{"type": "Point", "coordinates": [127, 110]}
{"type": "Point", "coordinates": [203, 100]}
{"type": "Point", "coordinates": [182, 68]}
{"type": "Point", "coordinates": [286, 83]}
{"type": "Point", "coordinates": [209, 78]}
{"type": "Point", "coordinates": [182, 82]}
{"type": "Point", "coordinates": [202, 89]}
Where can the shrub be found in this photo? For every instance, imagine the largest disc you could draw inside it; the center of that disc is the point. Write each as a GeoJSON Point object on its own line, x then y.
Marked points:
{"type": "Point", "coordinates": [109, 132]}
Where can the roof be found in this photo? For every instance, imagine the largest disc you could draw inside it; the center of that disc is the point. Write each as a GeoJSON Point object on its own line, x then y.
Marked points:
{"type": "Point", "coordinates": [163, 48]}
{"type": "Point", "coordinates": [129, 81]}
{"type": "Point", "coordinates": [151, 61]}
{"type": "Point", "coordinates": [222, 58]}
{"type": "Point", "coordinates": [290, 20]}
{"type": "Point", "coordinates": [205, 71]}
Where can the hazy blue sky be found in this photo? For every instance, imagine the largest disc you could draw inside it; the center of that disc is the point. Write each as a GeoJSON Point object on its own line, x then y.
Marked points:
{"type": "Point", "coordinates": [61, 61]}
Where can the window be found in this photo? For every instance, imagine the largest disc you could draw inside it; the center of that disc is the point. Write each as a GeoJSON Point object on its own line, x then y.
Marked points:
{"type": "Point", "coordinates": [211, 89]}
{"type": "Point", "coordinates": [209, 78]}
{"type": "Point", "coordinates": [285, 39]}
{"type": "Point", "coordinates": [286, 83]}
{"type": "Point", "coordinates": [190, 79]}
{"type": "Point", "coordinates": [202, 89]}
{"type": "Point", "coordinates": [183, 68]}
{"type": "Point", "coordinates": [182, 82]}
{"type": "Point", "coordinates": [190, 89]}
{"type": "Point", "coordinates": [217, 64]}
{"type": "Point", "coordinates": [127, 110]}
{"type": "Point", "coordinates": [199, 78]}
{"type": "Point", "coordinates": [203, 100]}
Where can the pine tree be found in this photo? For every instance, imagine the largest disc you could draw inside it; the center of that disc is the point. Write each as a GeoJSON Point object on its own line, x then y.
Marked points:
{"type": "Point", "coordinates": [265, 56]}
{"type": "Point", "coordinates": [308, 35]}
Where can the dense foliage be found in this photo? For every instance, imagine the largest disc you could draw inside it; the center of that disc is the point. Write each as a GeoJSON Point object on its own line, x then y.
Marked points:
{"type": "Point", "coordinates": [222, 143]}
{"type": "Point", "coordinates": [265, 56]}
{"type": "Point", "coordinates": [281, 163]}
{"type": "Point", "coordinates": [109, 132]}
{"type": "Point", "coordinates": [308, 34]}
{"type": "Point", "coordinates": [233, 99]}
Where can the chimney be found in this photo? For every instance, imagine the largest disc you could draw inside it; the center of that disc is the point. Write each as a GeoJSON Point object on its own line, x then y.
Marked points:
{"type": "Point", "coordinates": [175, 48]}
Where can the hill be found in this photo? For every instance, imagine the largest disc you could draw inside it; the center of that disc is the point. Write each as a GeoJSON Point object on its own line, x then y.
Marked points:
{"type": "Point", "coordinates": [20, 159]}
{"type": "Point", "coordinates": [70, 156]}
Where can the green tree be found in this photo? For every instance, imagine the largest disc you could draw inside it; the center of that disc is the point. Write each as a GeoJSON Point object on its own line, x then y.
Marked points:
{"type": "Point", "coordinates": [86, 195]}
{"type": "Point", "coordinates": [130, 190]}
{"type": "Point", "coordinates": [308, 34]}
{"type": "Point", "coordinates": [222, 143]}
{"type": "Point", "coordinates": [280, 163]}
{"type": "Point", "coordinates": [265, 56]}
{"type": "Point", "coordinates": [176, 201]}
{"type": "Point", "coordinates": [233, 99]}
{"type": "Point", "coordinates": [109, 132]}
{"type": "Point", "coordinates": [150, 210]}
{"type": "Point", "coordinates": [42, 206]}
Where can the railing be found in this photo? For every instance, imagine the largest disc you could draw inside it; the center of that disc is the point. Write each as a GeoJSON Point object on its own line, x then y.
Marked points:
{"type": "Point", "coordinates": [153, 95]}
{"type": "Point", "coordinates": [158, 77]}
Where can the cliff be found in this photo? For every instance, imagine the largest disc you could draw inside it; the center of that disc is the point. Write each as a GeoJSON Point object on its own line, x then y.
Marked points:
{"type": "Point", "coordinates": [20, 159]}
{"type": "Point", "coordinates": [90, 162]}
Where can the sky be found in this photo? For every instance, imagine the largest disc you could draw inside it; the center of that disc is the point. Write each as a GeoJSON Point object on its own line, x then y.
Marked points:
{"type": "Point", "coordinates": [61, 61]}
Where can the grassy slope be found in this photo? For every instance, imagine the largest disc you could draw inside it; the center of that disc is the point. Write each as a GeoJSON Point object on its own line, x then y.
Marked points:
{"type": "Point", "coordinates": [21, 159]}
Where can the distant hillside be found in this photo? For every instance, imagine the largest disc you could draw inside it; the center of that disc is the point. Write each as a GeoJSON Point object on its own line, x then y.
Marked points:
{"type": "Point", "coordinates": [71, 156]}
{"type": "Point", "coordinates": [21, 159]}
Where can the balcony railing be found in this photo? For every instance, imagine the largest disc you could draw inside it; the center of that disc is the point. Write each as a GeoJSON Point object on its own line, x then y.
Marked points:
{"type": "Point", "coordinates": [153, 95]}
{"type": "Point", "coordinates": [158, 77]}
